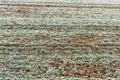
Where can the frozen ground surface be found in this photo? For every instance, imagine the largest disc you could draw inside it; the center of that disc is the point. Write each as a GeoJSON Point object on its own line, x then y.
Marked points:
{"type": "Point", "coordinates": [59, 42]}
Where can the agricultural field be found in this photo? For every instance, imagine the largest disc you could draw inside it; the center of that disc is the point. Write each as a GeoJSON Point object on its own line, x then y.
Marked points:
{"type": "Point", "coordinates": [53, 41]}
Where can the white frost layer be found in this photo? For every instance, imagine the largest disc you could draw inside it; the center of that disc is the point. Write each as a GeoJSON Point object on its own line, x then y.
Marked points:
{"type": "Point", "coordinates": [69, 1]}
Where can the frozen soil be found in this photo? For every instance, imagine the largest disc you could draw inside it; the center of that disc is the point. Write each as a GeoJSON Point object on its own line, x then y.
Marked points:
{"type": "Point", "coordinates": [59, 43]}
